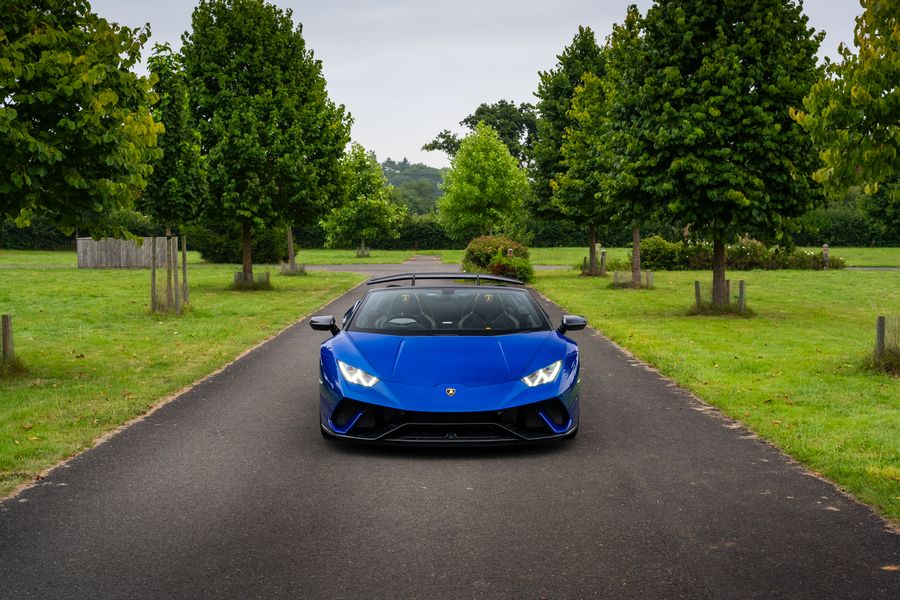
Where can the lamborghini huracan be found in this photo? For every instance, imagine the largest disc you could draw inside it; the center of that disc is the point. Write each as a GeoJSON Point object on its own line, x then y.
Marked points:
{"type": "Point", "coordinates": [451, 363]}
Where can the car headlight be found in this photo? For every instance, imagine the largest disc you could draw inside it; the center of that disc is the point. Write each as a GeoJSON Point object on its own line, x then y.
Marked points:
{"type": "Point", "coordinates": [357, 376]}
{"type": "Point", "coordinates": [542, 376]}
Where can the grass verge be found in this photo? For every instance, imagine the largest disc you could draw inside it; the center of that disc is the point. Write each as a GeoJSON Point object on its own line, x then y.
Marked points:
{"type": "Point", "coordinates": [93, 357]}
{"type": "Point", "coordinates": [797, 373]}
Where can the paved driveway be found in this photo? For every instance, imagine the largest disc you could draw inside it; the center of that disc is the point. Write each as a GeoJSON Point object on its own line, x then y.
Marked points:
{"type": "Point", "coordinates": [230, 492]}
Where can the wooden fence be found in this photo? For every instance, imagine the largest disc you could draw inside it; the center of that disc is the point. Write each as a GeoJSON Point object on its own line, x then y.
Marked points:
{"type": "Point", "coordinates": [119, 254]}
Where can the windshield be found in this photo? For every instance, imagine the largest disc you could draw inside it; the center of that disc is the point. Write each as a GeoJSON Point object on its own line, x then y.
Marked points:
{"type": "Point", "coordinates": [448, 310]}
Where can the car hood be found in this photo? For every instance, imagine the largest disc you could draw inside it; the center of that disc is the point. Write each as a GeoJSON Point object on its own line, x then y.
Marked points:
{"type": "Point", "coordinates": [455, 360]}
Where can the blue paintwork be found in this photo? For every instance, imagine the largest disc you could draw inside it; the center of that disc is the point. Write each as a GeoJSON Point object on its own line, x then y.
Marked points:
{"type": "Point", "coordinates": [415, 371]}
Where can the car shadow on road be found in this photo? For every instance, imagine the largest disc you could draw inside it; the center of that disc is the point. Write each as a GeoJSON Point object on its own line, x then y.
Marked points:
{"type": "Point", "coordinates": [450, 452]}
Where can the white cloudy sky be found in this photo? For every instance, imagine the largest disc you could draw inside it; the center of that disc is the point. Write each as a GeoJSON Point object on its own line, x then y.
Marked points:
{"type": "Point", "coordinates": [407, 69]}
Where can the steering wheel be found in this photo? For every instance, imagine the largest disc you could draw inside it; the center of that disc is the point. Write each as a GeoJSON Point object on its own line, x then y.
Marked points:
{"type": "Point", "coordinates": [407, 321]}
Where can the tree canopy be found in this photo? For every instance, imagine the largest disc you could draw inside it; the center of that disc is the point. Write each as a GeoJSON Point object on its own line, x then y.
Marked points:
{"type": "Point", "coordinates": [176, 190]}
{"type": "Point", "coordinates": [853, 112]}
{"type": "Point", "coordinates": [516, 126]}
{"type": "Point", "coordinates": [271, 136]}
{"type": "Point", "coordinates": [715, 83]}
{"type": "Point", "coordinates": [555, 92]}
{"type": "Point", "coordinates": [366, 211]}
{"type": "Point", "coordinates": [485, 187]}
{"type": "Point", "coordinates": [75, 122]}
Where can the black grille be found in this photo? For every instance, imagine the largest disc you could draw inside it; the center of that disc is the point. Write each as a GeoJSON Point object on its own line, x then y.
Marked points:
{"type": "Point", "coordinates": [512, 424]}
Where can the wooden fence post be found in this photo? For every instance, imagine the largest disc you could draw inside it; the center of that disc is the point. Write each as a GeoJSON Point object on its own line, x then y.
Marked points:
{"type": "Point", "coordinates": [175, 287]}
{"type": "Point", "coordinates": [603, 263]}
{"type": "Point", "coordinates": [170, 300]}
{"type": "Point", "coordinates": [584, 265]}
{"type": "Point", "coordinates": [727, 291]}
{"type": "Point", "coordinates": [742, 296]}
{"type": "Point", "coordinates": [697, 297]}
{"type": "Point", "coordinates": [880, 323]}
{"type": "Point", "coordinates": [153, 301]}
{"type": "Point", "coordinates": [616, 278]}
{"type": "Point", "coordinates": [184, 282]}
{"type": "Point", "coordinates": [9, 354]}
{"type": "Point", "coordinates": [825, 260]}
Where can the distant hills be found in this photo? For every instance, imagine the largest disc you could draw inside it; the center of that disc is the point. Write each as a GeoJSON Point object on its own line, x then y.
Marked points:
{"type": "Point", "coordinates": [416, 186]}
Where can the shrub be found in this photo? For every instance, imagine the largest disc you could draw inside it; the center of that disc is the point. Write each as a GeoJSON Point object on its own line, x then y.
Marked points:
{"type": "Point", "coordinates": [481, 251]}
{"type": "Point", "coordinates": [222, 244]}
{"type": "Point", "coordinates": [659, 255]}
{"type": "Point", "coordinates": [515, 267]}
{"type": "Point", "coordinates": [748, 254]}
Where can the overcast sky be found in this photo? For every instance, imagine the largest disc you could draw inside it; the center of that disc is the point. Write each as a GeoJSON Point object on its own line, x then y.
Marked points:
{"type": "Point", "coordinates": [406, 69]}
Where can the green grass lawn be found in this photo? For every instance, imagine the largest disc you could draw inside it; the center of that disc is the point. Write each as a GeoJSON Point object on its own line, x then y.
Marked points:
{"type": "Point", "coordinates": [865, 257]}
{"type": "Point", "coordinates": [95, 358]}
{"type": "Point", "coordinates": [796, 373]}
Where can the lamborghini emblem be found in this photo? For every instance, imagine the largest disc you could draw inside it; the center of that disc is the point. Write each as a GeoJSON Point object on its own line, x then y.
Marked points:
{"type": "Point", "coordinates": [451, 392]}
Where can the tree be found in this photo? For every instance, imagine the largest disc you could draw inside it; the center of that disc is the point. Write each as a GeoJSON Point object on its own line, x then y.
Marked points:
{"type": "Point", "coordinates": [853, 112]}
{"type": "Point", "coordinates": [265, 124]}
{"type": "Point", "coordinates": [582, 189]}
{"type": "Point", "coordinates": [176, 189]}
{"type": "Point", "coordinates": [485, 187]}
{"type": "Point", "coordinates": [516, 126]}
{"type": "Point", "coordinates": [718, 80]}
{"type": "Point", "coordinates": [366, 212]}
{"type": "Point", "coordinates": [555, 92]}
{"type": "Point", "coordinates": [314, 175]}
{"type": "Point", "coordinates": [75, 122]}
{"type": "Point", "coordinates": [628, 156]}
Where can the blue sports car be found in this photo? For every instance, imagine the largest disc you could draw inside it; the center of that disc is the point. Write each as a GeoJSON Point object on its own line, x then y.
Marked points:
{"type": "Point", "coordinates": [447, 364]}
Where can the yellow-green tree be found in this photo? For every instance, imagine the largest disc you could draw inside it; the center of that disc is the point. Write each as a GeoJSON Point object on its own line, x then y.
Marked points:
{"type": "Point", "coordinates": [853, 113]}
{"type": "Point", "coordinates": [485, 187]}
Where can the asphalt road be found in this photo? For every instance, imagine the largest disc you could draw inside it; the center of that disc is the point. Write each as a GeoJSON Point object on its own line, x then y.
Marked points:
{"type": "Point", "coordinates": [230, 492]}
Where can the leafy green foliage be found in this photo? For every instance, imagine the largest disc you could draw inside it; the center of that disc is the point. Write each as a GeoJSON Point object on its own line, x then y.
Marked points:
{"type": "Point", "coordinates": [222, 243]}
{"type": "Point", "coordinates": [481, 251]}
{"type": "Point", "coordinates": [271, 136]}
{"type": "Point", "coordinates": [555, 92]}
{"type": "Point", "coordinates": [712, 86]}
{"type": "Point", "coordinates": [485, 187]}
{"type": "Point", "coordinates": [747, 254]}
{"type": "Point", "coordinates": [176, 190]}
{"type": "Point", "coordinates": [853, 112]}
{"type": "Point", "coordinates": [75, 121]}
{"type": "Point", "coordinates": [516, 126]}
{"type": "Point", "coordinates": [517, 268]}
{"type": "Point", "coordinates": [367, 212]}
{"type": "Point", "coordinates": [415, 185]}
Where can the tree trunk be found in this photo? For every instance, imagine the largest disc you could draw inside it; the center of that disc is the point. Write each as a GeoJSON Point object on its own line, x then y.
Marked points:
{"type": "Point", "coordinates": [592, 251]}
{"type": "Point", "coordinates": [292, 261]}
{"type": "Point", "coordinates": [720, 295]}
{"type": "Point", "coordinates": [247, 242]}
{"type": "Point", "coordinates": [635, 256]}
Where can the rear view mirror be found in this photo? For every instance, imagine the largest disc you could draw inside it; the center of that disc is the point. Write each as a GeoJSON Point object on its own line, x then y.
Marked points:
{"type": "Point", "coordinates": [324, 323]}
{"type": "Point", "coordinates": [572, 323]}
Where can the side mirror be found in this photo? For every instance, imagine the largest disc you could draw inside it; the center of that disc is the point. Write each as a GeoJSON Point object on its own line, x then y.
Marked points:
{"type": "Point", "coordinates": [324, 323]}
{"type": "Point", "coordinates": [572, 323]}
